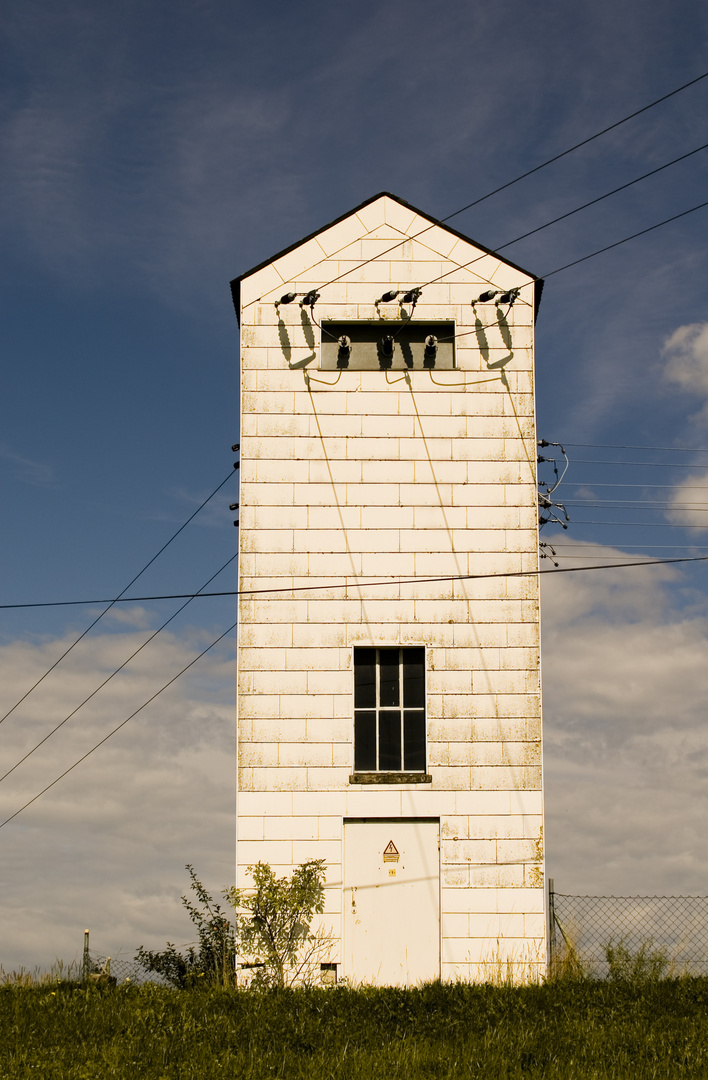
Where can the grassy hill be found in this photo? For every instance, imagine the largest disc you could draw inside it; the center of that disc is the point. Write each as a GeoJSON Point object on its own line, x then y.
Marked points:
{"type": "Point", "coordinates": [564, 1029]}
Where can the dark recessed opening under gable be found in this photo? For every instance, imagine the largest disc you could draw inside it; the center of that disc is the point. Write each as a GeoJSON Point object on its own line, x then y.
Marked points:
{"type": "Point", "coordinates": [412, 346]}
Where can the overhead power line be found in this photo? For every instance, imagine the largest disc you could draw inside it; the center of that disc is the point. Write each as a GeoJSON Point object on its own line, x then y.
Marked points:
{"type": "Point", "coordinates": [641, 504]}
{"type": "Point", "coordinates": [596, 503]}
{"type": "Point", "coordinates": [641, 524]}
{"type": "Point", "coordinates": [685, 486]}
{"type": "Point", "coordinates": [561, 217]}
{"type": "Point", "coordinates": [461, 577]}
{"type": "Point", "coordinates": [586, 556]}
{"type": "Point", "coordinates": [456, 577]}
{"type": "Point", "coordinates": [590, 544]}
{"type": "Point", "coordinates": [648, 464]}
{"type": "Point", "coordinates": [538, 277]}
{"type": "Point", "coordinates": [569, 213]}
{"type": "Point", "coordinates": [349, 583]}
{"type": "Point", "coordinates": [577, 146]}
{"type": "Point", "coordinates": [115, 601]}
{"type": "Point", "coordinates": [114, 673]}
{"type": "Point", "coordinates": [516, 180]}
{"type": "Point", "coordinates": [118, 727]}
{"type": "Point", "coordinates": [624, 446]}
{"type": "Point", "coordinates": [625, 240]}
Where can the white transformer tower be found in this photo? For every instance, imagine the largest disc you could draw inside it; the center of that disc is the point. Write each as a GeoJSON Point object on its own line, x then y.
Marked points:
{"type": "Point", "coordinates": [389, 713]}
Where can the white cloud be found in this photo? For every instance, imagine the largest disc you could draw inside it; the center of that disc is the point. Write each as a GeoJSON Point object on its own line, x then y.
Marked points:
{"type": "Point", "coordinates": [686, 352]}
{"type": "Point", "coordinates": [689, 502]}
{"type": "Point", "coordinates": [106, 847]}
{"type": "Point", "coordinates": [626, 760]}
{"type": "Point", "coordinates": [626, 750]}
{"type": "Point", "coordinates": [133, 615]}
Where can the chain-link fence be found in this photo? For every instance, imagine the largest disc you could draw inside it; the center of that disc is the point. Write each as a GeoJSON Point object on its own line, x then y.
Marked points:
{"type": "Point", "coordinates": [105, 969]}
{"type": "Point", "coordinates": [673, 927]}
{"type": "Point", "coordinates": [114, 970]}
{"type": "Point", "coordinates": [582, 928]}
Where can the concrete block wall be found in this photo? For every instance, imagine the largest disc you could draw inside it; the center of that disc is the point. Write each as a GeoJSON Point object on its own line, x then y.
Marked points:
{"type": "Point", "coordinates": [352, 477]}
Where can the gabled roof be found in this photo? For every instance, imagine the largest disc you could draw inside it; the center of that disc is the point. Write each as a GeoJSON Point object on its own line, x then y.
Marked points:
{"type": "Point", "coordinates": [236, 283]}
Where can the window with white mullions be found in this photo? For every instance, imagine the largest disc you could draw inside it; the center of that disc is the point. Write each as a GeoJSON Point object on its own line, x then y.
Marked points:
{"type": "Point", "coordinates": [389, 709]}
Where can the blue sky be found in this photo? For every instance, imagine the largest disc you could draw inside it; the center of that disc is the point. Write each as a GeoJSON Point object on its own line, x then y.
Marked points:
{"type": "Point", "coordinates": [151, 153]}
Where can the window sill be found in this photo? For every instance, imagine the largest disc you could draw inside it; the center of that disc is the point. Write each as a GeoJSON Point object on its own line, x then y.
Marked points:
{"type": "Point", "coordinates": [390, 778]}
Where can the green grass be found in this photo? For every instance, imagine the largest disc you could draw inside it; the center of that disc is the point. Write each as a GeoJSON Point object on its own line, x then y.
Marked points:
{"type": "Point", "coordinates": [565, 1029]}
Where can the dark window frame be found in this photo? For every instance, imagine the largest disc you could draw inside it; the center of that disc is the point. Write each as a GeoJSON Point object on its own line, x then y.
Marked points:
{"type": "Point", "coordinates": [390, 730]}
{"type": "Point", "coordinates": [408, 349]}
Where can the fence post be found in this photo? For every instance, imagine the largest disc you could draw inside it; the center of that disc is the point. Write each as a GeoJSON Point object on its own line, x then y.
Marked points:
{"type": "Point", "coordinates": [87, 959]}
{"type": "Point", "coordinates": [551, 923]}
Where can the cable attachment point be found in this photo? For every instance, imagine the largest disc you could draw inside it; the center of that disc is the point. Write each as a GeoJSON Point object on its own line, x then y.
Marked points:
{"type": "Point", "coordinates": [235, 448]}
{"type": "Point", "coordinates": [386, 350]}
{"type": "Point", "coordinates": [233, 506]}
{"type": "Point", "coordinates": [287, 298]}
{"type": "Point", "coordinates": [344, 349]}
{"type": "Point", "coordinates": [508, 297]}
{"type": "Point", "coordinates": [548, 515]}
{"type": "Point", "coordinates": [431, 348]}
{"type": "Point", "coordinates": [413, 295]}
{"type": "Point", "coordinates": [485, 297]}
{"type": "Point", "coordinates": [550, 511]}
{"type": "Point", "coordinates": [388, 297]}
{"type": "Point", "coordinates": [547, 551]}
{"type": "Point", "coordinates": [310, 299]}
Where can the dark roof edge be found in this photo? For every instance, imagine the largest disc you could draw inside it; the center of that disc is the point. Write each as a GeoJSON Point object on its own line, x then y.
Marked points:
{"type": "Point", "coordinates": [236, 282]}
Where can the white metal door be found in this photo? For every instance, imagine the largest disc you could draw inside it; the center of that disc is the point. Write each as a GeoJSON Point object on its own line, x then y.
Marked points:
{"type": "Point", "coordinates": [391, 901]}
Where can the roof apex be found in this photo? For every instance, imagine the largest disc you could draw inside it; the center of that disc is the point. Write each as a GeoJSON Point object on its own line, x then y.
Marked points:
{"type": "Point", "coordinates": [236, 282]}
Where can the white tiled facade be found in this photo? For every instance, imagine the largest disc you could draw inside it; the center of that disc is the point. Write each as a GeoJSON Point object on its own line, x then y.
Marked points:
{"type": "Point", "coordinates": [368, 476]}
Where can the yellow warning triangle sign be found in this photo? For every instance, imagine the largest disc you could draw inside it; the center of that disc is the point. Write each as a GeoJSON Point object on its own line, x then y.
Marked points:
{"type": "Point", "coordinates": [391, 852]}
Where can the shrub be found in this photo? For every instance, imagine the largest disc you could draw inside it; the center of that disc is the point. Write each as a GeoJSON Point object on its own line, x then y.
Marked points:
{"type": "Point", "coordinates": [645, 965]}
{"type": "Point", "coordinates": [275, 932]}
{"type": "Point", "coordinates": [213, 962]}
